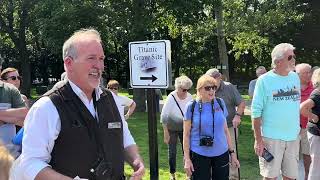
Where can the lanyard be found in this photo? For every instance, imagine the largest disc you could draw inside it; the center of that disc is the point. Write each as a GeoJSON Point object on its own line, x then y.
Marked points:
{"type": "Point", "coordinates": [200, 110]}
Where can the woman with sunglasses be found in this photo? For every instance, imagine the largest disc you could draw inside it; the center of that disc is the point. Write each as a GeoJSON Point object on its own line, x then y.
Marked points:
{"type": "Point", "coordinates": [172, 118]}
{"type": "Point", "coordinates": [11, 76]}
{"type": "Point", "coordinates": [206, 140]}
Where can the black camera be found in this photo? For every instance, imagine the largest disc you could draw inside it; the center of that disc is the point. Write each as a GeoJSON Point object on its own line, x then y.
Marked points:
{"type": "Point", "coordinates": [101, 170]}
{"type": "Point", "coordinates": [206, 141]}
{"type": "Point", "coordinates": [267, 155]}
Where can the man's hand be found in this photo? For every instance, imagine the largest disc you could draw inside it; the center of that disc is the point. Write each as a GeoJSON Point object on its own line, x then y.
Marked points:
{"type": "Point", "coordinates": [259, 147]}
{"type": "Point", "coordinates": [236, 121]}
{"type": "Point", "coordinates": [138, 169]}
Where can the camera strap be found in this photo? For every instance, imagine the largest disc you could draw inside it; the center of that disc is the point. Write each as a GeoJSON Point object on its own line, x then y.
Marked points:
{"type": "Point", "coordinates": [200, 111]}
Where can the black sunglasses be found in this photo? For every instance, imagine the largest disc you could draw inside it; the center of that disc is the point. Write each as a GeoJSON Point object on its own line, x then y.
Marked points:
{"type": "Point", "coordinates": [185, 90]}
{"type": "Point", "coordinates": [208, 88]}
{"type": "Point", "coordinates": [113, 88]}
{"type": "Point", "coordinates": [291, 56]}
{"type": "Point", "coordinates": [13, 78]}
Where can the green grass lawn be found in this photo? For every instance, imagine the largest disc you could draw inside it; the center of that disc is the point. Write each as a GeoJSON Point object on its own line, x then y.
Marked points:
{"type": "Point", "coordinates": [138, 125]}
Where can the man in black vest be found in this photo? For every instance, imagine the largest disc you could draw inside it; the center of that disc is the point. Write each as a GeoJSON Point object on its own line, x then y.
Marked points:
{"type": "Point", "coordinates": [75, 130]}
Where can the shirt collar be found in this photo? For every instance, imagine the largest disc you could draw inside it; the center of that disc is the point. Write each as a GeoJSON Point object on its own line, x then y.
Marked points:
{"type": "Point", "coordinates": [81, 94]}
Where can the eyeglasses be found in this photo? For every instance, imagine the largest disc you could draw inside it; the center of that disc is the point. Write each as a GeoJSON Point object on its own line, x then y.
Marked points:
{"type": "Point", "coordinates": [113, 88]}
{"type": "Point", "coordinates": [13, 78]}
{"type": "Point", "coordinates": [208, 88]}
{"type": "Point", "coordinates": [291, 56]}
{"type": "Point", "coordinates": [184, 90]}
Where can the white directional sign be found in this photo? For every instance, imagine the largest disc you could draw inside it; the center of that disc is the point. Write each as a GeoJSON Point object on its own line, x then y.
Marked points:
{"type": "Point", "coordinates": [150, 64]}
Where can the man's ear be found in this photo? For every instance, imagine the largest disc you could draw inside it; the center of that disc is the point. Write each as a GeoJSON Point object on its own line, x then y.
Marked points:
{"type": "Point", "coordinates": [68, 62]}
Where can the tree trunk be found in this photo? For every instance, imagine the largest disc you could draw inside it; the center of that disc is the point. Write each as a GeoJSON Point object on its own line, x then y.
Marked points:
{"type": "Point", "coordinates": [26, 72]}
{"type": "Point", "coordinates": [176, 47]}
{"type": "Point", "coordinates": [139, 23]}
{"type": "Point", "coordinates": [221, 40]}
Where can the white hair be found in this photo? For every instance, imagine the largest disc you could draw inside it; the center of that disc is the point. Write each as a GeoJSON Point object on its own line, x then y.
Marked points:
{"type": "Point", "coordinates": [279, 51]}
{"type": "Point", "coordinates": [260, 68]}
{"type": "Point", "coordinates": [69, 47]}
{"type": "Point", "coordinates": [300, 67]}
{"type": "Point", "coordinates": [183, 82]}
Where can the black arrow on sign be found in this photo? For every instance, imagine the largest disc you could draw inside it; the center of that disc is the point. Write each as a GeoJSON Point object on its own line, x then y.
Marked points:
{"type": "Point", "coordinates": [153, 78]}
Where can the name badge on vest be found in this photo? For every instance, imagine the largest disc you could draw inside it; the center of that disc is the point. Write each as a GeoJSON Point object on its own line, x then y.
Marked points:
{"type": "Point", "coordinates": [114, 125]}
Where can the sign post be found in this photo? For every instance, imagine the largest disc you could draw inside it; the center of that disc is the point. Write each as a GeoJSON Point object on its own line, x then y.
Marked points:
{"type": "Point", "coordinates": [150, 68]}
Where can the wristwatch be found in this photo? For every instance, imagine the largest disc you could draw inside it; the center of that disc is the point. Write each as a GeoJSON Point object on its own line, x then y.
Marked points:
{"type": "Point", "coordinates": [231, 151]}
{"type": "Point", "coordinates": [238, 114]}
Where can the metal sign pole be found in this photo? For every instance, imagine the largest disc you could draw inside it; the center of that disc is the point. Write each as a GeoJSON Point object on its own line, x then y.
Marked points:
{"type": "Point", "coordinates": [153, 138]}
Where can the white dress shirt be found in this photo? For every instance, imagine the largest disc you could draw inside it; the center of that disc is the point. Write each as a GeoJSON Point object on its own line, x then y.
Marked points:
{"type": "Point", "coordinates": [42, 128]}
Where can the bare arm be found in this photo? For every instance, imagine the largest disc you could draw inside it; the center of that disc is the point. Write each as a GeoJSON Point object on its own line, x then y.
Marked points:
{"type": "Point", "coordinates": [234, 160]}
{"type": "Point", "coordinates": [186, 139]}
{"type": "Point", "coordinates": [133, 158]}
{"type": "Point", "coordinates": [258, 144]}
{"type": "Point", "coordinates": [229, 141]}
{"type": "Point", "coordinates": [241, 107]}
{"type": "Point", "coordinates": [166, 136]}
{"type": "Point", "coordinates": [50, 174]}
{"type": "Point", "coordinates": [188, 166]}
{"type": "Point", "coordinates": [237, 118]}
{"type": "Point", "coordinates": [14, 115]}
{"type": "Point", "coordinates": [305, 110]}
{"type": "Point", "coordinates": [131, 109]}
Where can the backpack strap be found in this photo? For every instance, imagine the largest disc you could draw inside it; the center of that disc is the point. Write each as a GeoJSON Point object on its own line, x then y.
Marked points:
{"type": "Point", "coordinates": [220, 103]}
{"type": "Point", "coordinates": [194, 104]}
{"type": "Point", "coordinates": [192, 109]}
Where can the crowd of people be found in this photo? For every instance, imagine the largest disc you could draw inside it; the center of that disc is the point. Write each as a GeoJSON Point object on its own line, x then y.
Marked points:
{"type": "Point", "coordinates": [80, 131]}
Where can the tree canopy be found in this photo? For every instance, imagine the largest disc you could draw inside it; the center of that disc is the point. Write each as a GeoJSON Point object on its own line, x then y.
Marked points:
{"type": "Point", "coordinates": [32, 33]}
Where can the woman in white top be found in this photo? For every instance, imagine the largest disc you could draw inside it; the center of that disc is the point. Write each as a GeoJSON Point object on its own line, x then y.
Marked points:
{"type": "Point", "coordinates": [172, 118]}
{"type": "Point", "coordinates": [124, 101]}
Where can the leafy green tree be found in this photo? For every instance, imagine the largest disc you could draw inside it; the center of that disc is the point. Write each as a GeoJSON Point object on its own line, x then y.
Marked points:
{"type": "Point", "coordinates": [14, 22]}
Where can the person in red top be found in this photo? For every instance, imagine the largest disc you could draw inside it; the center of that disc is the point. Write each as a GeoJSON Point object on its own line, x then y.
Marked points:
{"type": "Point", "coordinates": [304, 72]}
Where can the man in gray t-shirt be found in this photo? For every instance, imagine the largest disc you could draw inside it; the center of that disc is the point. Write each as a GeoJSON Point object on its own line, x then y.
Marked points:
{"type": "Point", "coordinates": [259, 71]}
{"type": "Point", "coordinates": [12, 112]}
{"type": "Point", "coordinates": [235, 106]}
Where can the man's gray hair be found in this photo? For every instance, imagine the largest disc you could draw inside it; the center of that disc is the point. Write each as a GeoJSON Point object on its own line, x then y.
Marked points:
{"type": "Point", "coordinates": [183, 82]}
{"type": "Point", "coordinates": [69, 47]}
{"type": "Point", "coordinates": [213, 72]}
{"type": "Point", "coordinates": [279, 51]}
{"type": "Point", "coordinates": [260, 68]}
{"type": "Point", "coordinates": [301, 66]}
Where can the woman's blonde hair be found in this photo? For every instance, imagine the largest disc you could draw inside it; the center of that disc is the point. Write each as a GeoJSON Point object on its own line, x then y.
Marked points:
{"type": "Point", "coordinates": [205, 80]}
{"type": "Point", "coordinates": [113, 84]}
{"type": "Point", "coordinates": [6, 161]}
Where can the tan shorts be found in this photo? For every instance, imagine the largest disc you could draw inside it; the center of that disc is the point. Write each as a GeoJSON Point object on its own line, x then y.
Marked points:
{"type": "Point", "coordinates": [304, 143]}
{"type": "Point", "coordinates": [286, 158]}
